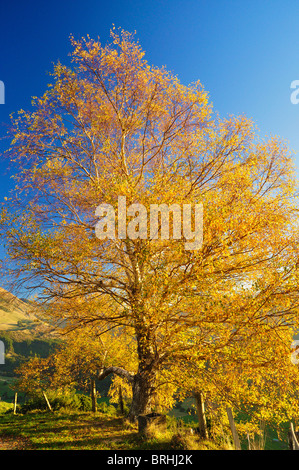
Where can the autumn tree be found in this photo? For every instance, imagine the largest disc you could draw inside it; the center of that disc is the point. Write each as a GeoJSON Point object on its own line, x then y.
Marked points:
{"type": "Point", "coordinates": [114, 130]}
{"type": "Point", "coordinates": [77, 362]}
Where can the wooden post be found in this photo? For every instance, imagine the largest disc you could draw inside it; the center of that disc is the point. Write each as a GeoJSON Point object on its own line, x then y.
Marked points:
{"type": "Point", "coordinates": [248, 439]}
{"type": "Point", "coordinates": [93, 395]}
{"type": "Point", "coordinates": [233, 429]}
{"type": "Point", "coordinates": [295, 443]}
{"type": "Point", "coordinates": [47, 401]}
{"type": "Point", "coordinates": [202, 422]}
{"type": "Point", "coordinates": [15, 404]}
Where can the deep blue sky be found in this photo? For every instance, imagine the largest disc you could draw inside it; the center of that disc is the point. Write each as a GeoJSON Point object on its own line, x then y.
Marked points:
{"type": "Point", "coordinates": [245, 52]}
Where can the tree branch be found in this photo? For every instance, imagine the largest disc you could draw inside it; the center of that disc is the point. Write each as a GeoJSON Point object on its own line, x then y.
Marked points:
{"type": "Point", "coordinates": [116, 370]}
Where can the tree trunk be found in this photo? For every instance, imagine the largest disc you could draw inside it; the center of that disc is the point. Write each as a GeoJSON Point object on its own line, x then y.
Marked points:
{"type": "Point", "coordinates": [143, 387]}
{"type": "Point", "coordinates": [143, 392]}
{"type": "Point", "coordinates": [144, 383]}
{"type": "Point", "coordinates": [121, 401]}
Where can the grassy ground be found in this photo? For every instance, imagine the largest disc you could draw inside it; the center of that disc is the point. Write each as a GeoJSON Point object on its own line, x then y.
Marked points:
{"type": "Point", "coordinates": [86, 431]}
{"type": "Point", "coordinates": [75, 430]}
{"type": "Point", "coordinates": [6, 391]}
{"type": "Point", "coordinates": [67, 431]}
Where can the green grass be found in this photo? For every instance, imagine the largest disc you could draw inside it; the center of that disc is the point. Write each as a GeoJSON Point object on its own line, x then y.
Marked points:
{"type": "Point", "coordinates": [6, 391]}
{"type": "Point", "coordinates": [4, 406]}
{"type": "Point", "coordinates": [74, 430]}
{"type": "Point", "coordinates": [67, 431]}
{"type": "Point", "coordinates": [70, 430]}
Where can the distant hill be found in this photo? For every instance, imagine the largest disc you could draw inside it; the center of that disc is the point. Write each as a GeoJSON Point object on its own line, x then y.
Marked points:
{"type": "Point", "coordinates": [23, 332]}
{"type": "Point", "coordinates": [15, 313]}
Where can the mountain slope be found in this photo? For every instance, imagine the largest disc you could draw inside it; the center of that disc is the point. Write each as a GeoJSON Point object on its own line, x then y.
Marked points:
{"type": "Point", "coordinates": [13, 311]}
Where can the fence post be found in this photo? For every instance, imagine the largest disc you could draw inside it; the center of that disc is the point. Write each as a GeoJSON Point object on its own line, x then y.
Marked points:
{"type": "Point", "coordinates": [15, 404]}
{"type": "Point", "coordinates": [47, 401]}
{"type": "Point", "coordinates": [295, 443]}
{"type": "Point", "coordinates": [202, 422]}
{"type": "Point", "coordinates": [233, 429]}
{"type": "Point", "coordinates": [248, 439]}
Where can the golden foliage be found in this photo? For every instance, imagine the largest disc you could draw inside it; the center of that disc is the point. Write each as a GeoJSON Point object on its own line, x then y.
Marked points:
{"type": "Point", "coordinates": [114, 125]}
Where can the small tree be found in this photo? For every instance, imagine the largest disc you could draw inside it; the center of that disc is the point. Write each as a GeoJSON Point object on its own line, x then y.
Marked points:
{"type": "Point", "coordinates": [77, 363]}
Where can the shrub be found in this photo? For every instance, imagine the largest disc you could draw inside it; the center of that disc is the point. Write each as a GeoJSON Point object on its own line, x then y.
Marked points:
{"type": "Point", "coordinates": [71, 401]}
{"type": "Point", "coordinates": [110, 410]}
{"type": "Point", "coordinates": [85, 402]}
{"type": "Point", "coordinates": [178, 442]}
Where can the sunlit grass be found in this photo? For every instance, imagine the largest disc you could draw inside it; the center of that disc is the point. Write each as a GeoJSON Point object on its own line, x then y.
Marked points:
{"type": "Point", "coordinates": [70, 430]}
{"type": "Point", "coordinates": [4, 406]}
{"type": "Point", "coordinates": [77, 430]}
{"type": "Point", "coordinates": [67, 430]}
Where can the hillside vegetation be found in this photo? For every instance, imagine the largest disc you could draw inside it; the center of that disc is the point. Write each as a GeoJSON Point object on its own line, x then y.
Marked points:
{"type": "Point", "coordinates": [23, 333]}
{"type": "Point", "coordinates": [15, 313]}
